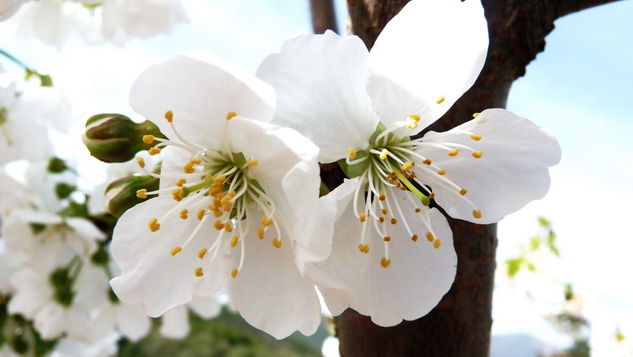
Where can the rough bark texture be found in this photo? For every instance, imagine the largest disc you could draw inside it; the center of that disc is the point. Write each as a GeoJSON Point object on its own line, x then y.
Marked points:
{"type": "Point", "coordinates": [460, 324]}
{"type": "Point", "coordinates": [323, 16]}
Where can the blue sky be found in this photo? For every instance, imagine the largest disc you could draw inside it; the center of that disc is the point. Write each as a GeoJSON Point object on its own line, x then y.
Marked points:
{"type": "Point", "coordinates": [581, 88]}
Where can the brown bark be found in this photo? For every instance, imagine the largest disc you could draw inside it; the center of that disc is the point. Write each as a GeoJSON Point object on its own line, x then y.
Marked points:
{"type": "Point", "coordinates": [323, 16]}
{"type": "Point", "coordinates": [460, 324]}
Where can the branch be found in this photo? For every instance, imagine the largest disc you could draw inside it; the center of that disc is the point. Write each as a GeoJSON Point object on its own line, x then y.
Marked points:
{"type": "Point", "coordinates": [323, 16]}
{"type": "Point", "coordinates": [561, 8]}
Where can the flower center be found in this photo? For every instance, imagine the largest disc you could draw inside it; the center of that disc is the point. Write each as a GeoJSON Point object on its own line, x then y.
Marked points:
{"type": "Point", "coordinates": [393, 163]}
{"type": "Point", "coordinates": [217, 180]}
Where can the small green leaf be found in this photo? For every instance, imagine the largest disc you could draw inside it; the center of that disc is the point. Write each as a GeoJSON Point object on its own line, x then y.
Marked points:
{"type": "Point", "coordinates": [513, 266]}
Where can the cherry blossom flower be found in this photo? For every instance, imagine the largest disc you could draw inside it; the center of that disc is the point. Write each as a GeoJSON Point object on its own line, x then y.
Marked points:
{"type": "Point", "coordinates": [236, 204]}
{"type": "Point", "coordinates": [393, 256]}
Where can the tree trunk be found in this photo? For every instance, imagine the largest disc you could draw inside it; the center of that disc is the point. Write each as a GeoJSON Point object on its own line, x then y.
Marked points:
{"type": "Point", "coordinates": [323, 16]}
{"type": "Point", "coordinates": [460, 324]}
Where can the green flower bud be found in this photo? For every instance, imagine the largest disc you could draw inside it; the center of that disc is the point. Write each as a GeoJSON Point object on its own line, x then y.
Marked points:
{"type": "Point", "coordinates": [64, 190]}
{"type": "Point", "coordinates": [125, 193]}
{"type": "Point", "coordinates": [116, 138]}
{"type": "Point", "coordinates": [56, 165]}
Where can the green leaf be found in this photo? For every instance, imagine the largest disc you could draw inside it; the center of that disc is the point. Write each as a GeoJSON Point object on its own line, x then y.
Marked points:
{"type": "Point", "coordinates": [355, 170]}
{"type": "Point", "coordinates": [513, 266]}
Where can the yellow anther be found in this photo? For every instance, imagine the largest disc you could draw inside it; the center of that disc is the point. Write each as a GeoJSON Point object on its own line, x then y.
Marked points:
{"type": "Point", "coordinates": [382, 197]}
{"type": "Point", "coordinates": [453, 152]}
{"type": "Point", "coordinates": [441, 172]}
{"type": "Point", "coordinates": [228, 227]}
{"type": "Point", "coordinates": [219, 178]}
{"type": "Point", "coordinates": [430, 237]}
{"type": "Point", "coordinates": [218, 225]}
{"type": "Point", "coordinates": [148, 139]}
{"type": "Point", "coordinates": [227, 206]}
{"type": "Point", "coordinates": [175, 250]}
{"type": "Point", "coordinates": [414, 117]}
{"type": "Point", "coordinates": [207, 178]}
{"type": "Point", "coordinates": [394, 221]}
{"type": "Point", "coordinates": [407, 166]}
{"type": "Point", "coordinates": [387, 239]}
{"type": "Point", "coordinates": [383, 154]}
{"type": "Point", "coordinates": [477, 213]}
{"type": "Point", "coordinates": [188, 168]}
{"type": "Point", "coordinates": [276, 242]}
{"type": "Point", "coordinates": [260, 232]}
{"type": "Point", "coordinates": [364, 248]}
{"type": "Point", "coordinates": [252, 163]}
{"type": "Point", "coordinates": [432, 195]}
{"type": "Point", "coordinates": [177, 194]}
{"type": "Point", "coordinates": [200, 214]}
{"type": "Point", "coordinates": [381, 219]}
{"type": "Point", "coordinates": [153, 224]}
{"type": "Point", "coordinates": [234, 273]}
{"type": "Point", "coordinates": [475, 115]}
{"type": "Point", "coordinates": [412, 125]}
{"type": "Point", "coordinates": [463, 191]}
{"type": "Point", "coordinates": [234, 241]}
{"type": "Point", "coordinates": [384, 262]}
{"type": "Point", "coordinates": [352, 153]}
{"type": "Point", "coordinates": [363, 217]}
{"type": "Point", "coordinates": [181, 182]}
{"type": "Point", "coordinates": [195, 160]}
{"type": "Point", "coordinates": [184, 213]}
{"type": "Point", "coordinates": [437, 244]}
{"type": "Point", "coordinates": [199, 272]}
{"type": "Point", "coordinates": [218, 213]}
{"type": "Point", "coordinates": [478, 154]}
{"type": "Point", "coordinates": [418, 210]}
{"type": "Point", "coordinates": [384, 211]}
{"type": "Point", "coordinates": [142, 193]}
{"type": "Point", "coordinates": [427, 162]}
{"type": "Point", "coordinates": [414, 238]}
{"type": "Point", "coordinates": [266, 221]}
{"type": "Point", "coordinates": [440, 100]}
{"type": "Point", "coordinates": [475, 137]}
{"type": "Point", "coordinates": [169, 115]}
{"type": "Point", "coordinates": [154, 151]}
{"type": "Point", "coordinates": [202, 253]}
{"type": "Point", "coordinates": [141, 162]}
{"type": "Point", "coordinates": [230, 115]}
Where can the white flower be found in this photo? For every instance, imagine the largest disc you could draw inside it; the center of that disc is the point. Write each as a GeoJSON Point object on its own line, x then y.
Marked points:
{"type": "Point", "coordinates": [117, 21]}
{"type": "Point", "coordinates": [236, 204]}
{"type": "Point", "coordinates": [6, 269]}
{"type": "Point", "coordinates": [68, 347]}
{"type": "Point", "coordinates": [393, 255]}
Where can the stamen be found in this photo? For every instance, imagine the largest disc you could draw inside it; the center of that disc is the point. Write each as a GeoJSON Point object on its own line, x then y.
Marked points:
{"type": "Point", "coordinates": [407, 166]}
{"type": "Point", "coordinates": [260, 232]}
{"type": "Point", "coordinates": [394, 221]}
{"type": "Point", "coordinates": [148, 139]}
{"type": "Point", "coordinates": [430, 237]}
{"type": "Point", "coordinates": [352, 153]}
{"type": "Point", "coordinates": [383, 154]}
{"type": "Point", "coordinates": [175, 250]}
{"type": "Point", "coordinates": [218, 225]}
{"type": "Point", "coordinates": [141, 162]}
{"type": "Point", "coordinates": [252, 163]}
{"type": "Point", "coordinates": [437, 244]}
{"type": "Point", "coordinates": [475, 137]}
{"type": "Point", "coordinates": [154, 151]}
{"type": "Point", "coordinates": [477, 213]}
{"type": "Point", "coordinates": [153, 225]}
{"type": "Point", "coordinates": [478, 154]}
{"type": "Point", "coordinates": [198, 272]}
{"type": "Point", "coordinates": [364, 248]}
{"type": "Point", "coordinates": [202, 253]}
{"type": "Point", "coordinates": [142, 193]}
{"type": "Point", "coordinates": [230, 115]}
{"type": "Point", "coordinates": [463, 191]}
{"type": "Point", "coordinates": [441, 172]}
{"type": "Point", "coordinates": [453, 152]}
{"type": "Point", "coordinates": [384, 262]}
{"type": "Point", "coordinates": [200, 214]}
{"type": "Point", "coordinates": [363, 217]}
{"type": "Point", "coordinates": [277, 243]}
{"type": "Point", "coordinates": [440, 100]}
{"type": "Point", "coordinates": [382, 197]}
{"type": "Point", "coordinates": [234, 273]}
{"type": "Point", "coordinates": [184, 213]}
{"type": "Point", "coordinates": [475, 115]}
{"type": "Point", "coordinates": [414, 238]}
{"type": "Point", "coordinates": [234, 241]}
{"type": "Point", "coordinates": [387, 239]}
{"type": "Point", "coordinates": [169, 115]}
{"type": "Point", "coordinates": [181, 182]}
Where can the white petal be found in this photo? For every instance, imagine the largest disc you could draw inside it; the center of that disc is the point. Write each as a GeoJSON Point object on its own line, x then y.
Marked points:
{"type": "Point", "coordinates": [417, 278]}
{"type": "Point", "coordinates": [320, 84]}
{"type": "Point", "coordinates": [433, 49]}
{"type": "Point", "coordinates": [512, 171]}
{"type": "Point", "coordinates": [151, 276]}
{"type": "Point", "coordinates": [175, 323]}
{"type": "Point", "coordinates": [132, 321]}
{"type": "Point", "coordinates": [270, 293]}
{"type": "Point", "coordinates": [288, 171]}
{"type": "Point", "coordinates": [205, 307]}
{"type": "Point", "coordinates": [200, 90]}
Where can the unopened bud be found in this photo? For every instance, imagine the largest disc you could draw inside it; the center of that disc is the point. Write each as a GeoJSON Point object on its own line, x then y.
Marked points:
{"type": "Point", "coordinates": [121, 195]}
{"type": "Point", "coordinates": [116, 138]}
{"type": "Point", "coordinates": [56, 165]}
